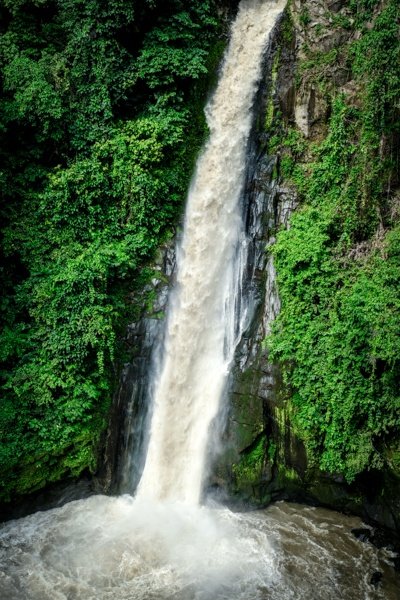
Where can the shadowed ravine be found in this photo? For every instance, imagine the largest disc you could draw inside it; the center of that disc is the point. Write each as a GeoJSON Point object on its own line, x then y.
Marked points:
{"type": "Point", "coordinates": [163, 544]}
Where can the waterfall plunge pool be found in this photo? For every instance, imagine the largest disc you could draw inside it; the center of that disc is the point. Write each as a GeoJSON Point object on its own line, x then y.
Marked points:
{"type": "Point", "coordinates": [107, 548]}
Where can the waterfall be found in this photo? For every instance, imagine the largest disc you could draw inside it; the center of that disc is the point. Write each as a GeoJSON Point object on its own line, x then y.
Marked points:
{"type": "Point", "coordinates": [141, 548]}
{"type": "Point", "coordinates": [206, 308]}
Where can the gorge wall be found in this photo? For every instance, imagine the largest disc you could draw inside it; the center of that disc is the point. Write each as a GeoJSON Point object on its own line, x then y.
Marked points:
{"type": "Point", "coordinates": [267, 455]}
{"type": "Point", "coordinates": [314, 411]}
{"type": "Point", "coordinates": [271, 453]}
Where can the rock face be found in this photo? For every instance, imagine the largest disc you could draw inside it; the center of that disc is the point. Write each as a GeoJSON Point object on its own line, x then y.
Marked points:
{"type": "Point", "coordinates": [245, 469]}
{"type": "Point", "coordinates": [264, 459]}
{"type": "Point", "coordinates": [126, 437]}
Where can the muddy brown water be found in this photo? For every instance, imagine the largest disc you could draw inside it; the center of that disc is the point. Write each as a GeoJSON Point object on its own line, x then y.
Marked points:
{"type": "Point", "coordinates": [105, 548]}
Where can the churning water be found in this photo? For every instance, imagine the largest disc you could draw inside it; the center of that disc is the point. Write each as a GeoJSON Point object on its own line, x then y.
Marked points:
{"type": "Point", "coordinates": [128, 549]}
{"type": "Point", "coordinates": [162, 544]}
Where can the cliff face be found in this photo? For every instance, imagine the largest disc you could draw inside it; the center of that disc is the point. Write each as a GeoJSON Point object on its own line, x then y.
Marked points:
{"type": "Point", "coordinates": [127, 432]}
{"type": "Point", "coordinates": [307, 421]}
{"type": "Point", "coordinates": [332, 446]}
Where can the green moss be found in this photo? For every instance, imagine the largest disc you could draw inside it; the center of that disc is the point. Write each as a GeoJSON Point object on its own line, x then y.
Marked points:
{"type": "Point", "coordinates": [392, 456]}
{"type": "Point", "coordinates": [270, 107]}
{"type": "Point", "coordinates": [39, 469]}
{"type": "Point", "coordinates": [287, 28]}
{"type": "Point", "coordinates": [248, 471]}
{"type": "Point", "coordinates": [338, 265]}
{"type": "Point", "coordinates": [287, 475]}
{"type": "Point", "coordinates": [247, 408]}
{"type": "Point", "coordinates": [304, 17]}
{"type": "Point", "coordinates": [271, 451]}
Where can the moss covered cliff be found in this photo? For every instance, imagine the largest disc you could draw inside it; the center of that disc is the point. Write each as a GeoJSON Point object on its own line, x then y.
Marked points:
{"type": "Point", "coordinates": [331, 402]}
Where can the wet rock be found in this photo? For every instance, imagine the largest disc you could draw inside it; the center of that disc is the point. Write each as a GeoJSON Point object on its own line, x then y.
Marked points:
{"type": "Point", "coordinates": [396, 563]}
{"type": "Point", "coordinates": [302, 114]}
{"type": "Point", "coordinates": [126, 437]}
{"type": "Point", "coordinates": [52, 496]}
{"type": "Point", "coordinates": [336, 5]}
{"type": "Point", "coordinates": [257, 391]}
{"type": "Point", "coordinates": [331, 40]}
{"type": "Point", "coordinates": [384, 538]}
{"type": "Point", "coordinates": [376, 578]}
{"type": "Point", "coordinates": [362, 534]}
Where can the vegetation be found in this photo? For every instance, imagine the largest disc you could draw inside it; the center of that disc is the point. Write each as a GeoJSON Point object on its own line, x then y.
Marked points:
{"type": "Point", "coordinates": [338, 334]}
{"type": "Point", "coordinates": [100, 121]}
{"type": "Point", "coordinates": [248, 471]}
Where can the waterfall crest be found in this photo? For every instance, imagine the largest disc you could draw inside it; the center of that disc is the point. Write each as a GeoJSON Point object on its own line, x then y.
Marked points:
{"type": "Point", "coordinates": [205, 311]}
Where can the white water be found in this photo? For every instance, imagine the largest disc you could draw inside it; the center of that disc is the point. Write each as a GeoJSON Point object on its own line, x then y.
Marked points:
{"type": "Point", "coordinates": [124, 549]}
{"type": "Point", "coordinates": [204, 319]}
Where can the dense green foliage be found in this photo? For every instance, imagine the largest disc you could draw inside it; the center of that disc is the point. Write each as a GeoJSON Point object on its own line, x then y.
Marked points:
{"type": "Point", "coordinates": [338, 265]}
{"type": "Point", "coordinates": [100, 121]}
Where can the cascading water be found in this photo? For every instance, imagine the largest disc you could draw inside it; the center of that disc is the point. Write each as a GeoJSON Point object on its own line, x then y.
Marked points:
{"type": "Point", "coordinates": [204, 321]}
{"type": "Point", "coordinates": [162, 544]}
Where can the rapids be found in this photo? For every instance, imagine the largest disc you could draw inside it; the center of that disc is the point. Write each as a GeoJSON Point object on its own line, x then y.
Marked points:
{"type": "Point", "coordinates": [126, 548]}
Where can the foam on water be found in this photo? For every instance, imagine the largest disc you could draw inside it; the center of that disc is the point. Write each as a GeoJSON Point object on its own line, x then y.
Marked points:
{"type": "Point", "coordinates": [124, 548]}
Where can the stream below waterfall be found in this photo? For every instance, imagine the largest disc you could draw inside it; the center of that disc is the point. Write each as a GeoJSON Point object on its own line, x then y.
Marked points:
{"type": "Point", "coordinates": [106, 548]}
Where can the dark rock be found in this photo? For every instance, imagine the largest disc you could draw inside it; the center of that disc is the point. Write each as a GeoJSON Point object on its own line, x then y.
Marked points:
{"type": "Point", "coordinates": [52, 496]}
{"type": "Point", "coordinates": [384, 538]}
{"type": "Point", "coordinates": [362, 534]}
{"type": "Point", "coordinates": [376, 578]}
{"type": "Point", "coordinates": [396, 563]}
{"type": "Point", "coordinates": [336, 5]}
{"type": "Point", "coordinates": [123, 458]}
